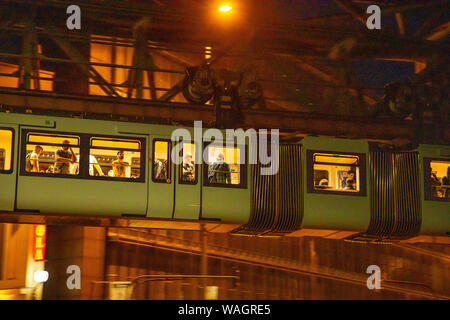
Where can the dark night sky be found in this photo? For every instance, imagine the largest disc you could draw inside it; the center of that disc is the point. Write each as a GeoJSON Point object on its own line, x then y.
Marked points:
{"type": "Point", "coordinates": [371, 73]}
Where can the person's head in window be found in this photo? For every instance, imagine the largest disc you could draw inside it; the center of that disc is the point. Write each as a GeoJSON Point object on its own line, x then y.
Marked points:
{"type": "Point", "coordinates": [350, 175]}
{"type": "Point", "coordinates": [38, 150]}
{"type": "Point", "coordinates": [220, 157]}
{"type": "Point", "coordinates": [120, 155]}
{"type": "Point", "coordinates": [65, 146]}
{"type": "Point", "coordinates": [188, 158]}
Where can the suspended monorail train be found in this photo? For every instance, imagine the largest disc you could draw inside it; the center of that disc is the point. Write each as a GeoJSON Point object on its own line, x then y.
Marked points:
{"type": "Point", "coordinates": [125, 169]}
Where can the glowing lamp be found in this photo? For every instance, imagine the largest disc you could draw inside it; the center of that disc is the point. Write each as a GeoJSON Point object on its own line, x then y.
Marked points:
{"type": "Point", "coordinates": [225, 8]}
{"type": "Point", "coordinates": [40, 276]}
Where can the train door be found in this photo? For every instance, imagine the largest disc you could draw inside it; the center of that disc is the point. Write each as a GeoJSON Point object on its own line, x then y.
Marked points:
{"type": "Point", "coordinates": [8, 167]}
{"type": "Point", "coordinates": [335, 189]}
{"type": "Point", "coordinates": [187, 183]}
{"type": "Point", "coordinates": [226, 194]}
{"type": "Point", "coordinates": [161, 185]}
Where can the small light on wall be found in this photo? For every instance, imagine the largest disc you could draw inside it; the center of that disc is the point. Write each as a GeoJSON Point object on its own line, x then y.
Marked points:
{"type": "Point", "coordinates": [40, 276]}
{"type": "Point", "coordinates": [208, 53]}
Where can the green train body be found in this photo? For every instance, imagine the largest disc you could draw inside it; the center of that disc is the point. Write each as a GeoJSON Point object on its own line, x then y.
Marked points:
{"type": "Point", "coordinates": [391, 196]}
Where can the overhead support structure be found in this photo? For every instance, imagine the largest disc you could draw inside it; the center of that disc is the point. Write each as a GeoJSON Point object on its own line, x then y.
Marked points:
{"type": "Point", "coordinates": [142, 60]}
{"type": "Point", "coordinates": [401, 23]}
{"type": "Point", "coordinates": [29, 66]}
{"type": "Point", "coordinates": [440, 33]}
{"type": "Point", "coordinates": [361, 127]}
{"type": "Point", "coordinates": [81, 61]}
{"type": "Point", "coordinates": [73, 71]}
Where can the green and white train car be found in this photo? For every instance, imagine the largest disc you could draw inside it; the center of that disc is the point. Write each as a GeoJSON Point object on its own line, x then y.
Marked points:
{"type": "Point", "coordinates": [322, 183]}
{"type": "Point", "coordinates": [91, 192]}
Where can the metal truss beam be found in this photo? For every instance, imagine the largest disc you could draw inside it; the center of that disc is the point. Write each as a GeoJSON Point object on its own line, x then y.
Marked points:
{"type": "Point", "coordinates": [183, 113]}
{"type": "Point", "coordinates": [76, 56]}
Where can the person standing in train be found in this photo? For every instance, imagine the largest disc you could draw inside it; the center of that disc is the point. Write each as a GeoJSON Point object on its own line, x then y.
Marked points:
{"type": "Point", "coordinates": [120, 166]}
{"type": "Point", "coordinates": [446, 183]}
{"type": "Point", "coordinates": [32, 159]}
{"type": "Point", "coordinates": [93, 163]}
{"type": "Point", "coordinates": [64, 157]}
{"type": "Point", "coordinates": [219, 171]}
{"type": "Point", "coordinates": [188, 169]}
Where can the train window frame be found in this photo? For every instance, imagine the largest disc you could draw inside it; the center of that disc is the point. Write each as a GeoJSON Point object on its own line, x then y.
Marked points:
{"type": "Point", "coordinates": [11, 164]}
{"type": "Point", "coordinates": [169, 161]}
{"type": "Point", "coordinates": [242, 167]}
{"type": "Point", "coordinates": [428, 196]}
{"type": "Point", "coordinates": [362, 173]}
{"type": "Point", "coordinates": [85, 162]}
{"type": "Point", "coordinates": [180, 167]}
{"type": "Point", "coordinates": [63, 134]}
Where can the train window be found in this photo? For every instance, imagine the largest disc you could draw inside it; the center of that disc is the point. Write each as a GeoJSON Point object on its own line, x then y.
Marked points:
{"type": "Point", "coordinates": [335, 173]}
{"type": "Point", "coordinates": [161, 161]}
{"type": "Point", "coordinates": [51, 153]}
{"type": "Point", "coordinates": [6, 140]}
{"type": "Point", "coordinates": [438, 183]}
{"type": "Point", "coordinates": [115, 158]}
{"type": "Point", "coordinates": [188, 168]}
{"type": "Point", "coordinates": [5, 150]}
{"type": "Point", "coordinates": [224, 165]}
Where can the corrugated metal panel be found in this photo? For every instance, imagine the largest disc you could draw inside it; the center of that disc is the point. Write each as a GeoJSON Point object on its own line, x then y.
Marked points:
{"type": "Point", "coordinates": [277, 200]}
{"type": "Point", "coordinates": [395, 194]}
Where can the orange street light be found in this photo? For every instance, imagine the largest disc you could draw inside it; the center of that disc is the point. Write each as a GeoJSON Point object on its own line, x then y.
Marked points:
{"type": "Point", "coordinates": [225, 8]}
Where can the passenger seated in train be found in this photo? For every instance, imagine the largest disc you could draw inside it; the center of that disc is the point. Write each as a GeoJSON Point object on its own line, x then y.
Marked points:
{"type": "Point", "coordinates": [350, 184]}
{"type": "Point", "coordinates": [323, 184]}
{"type": "Point", "coordinates": [440, 186]}
{"type": "Point", "coordinates": [350, 176]}
{"type": "Point", "coordinates": [219, 171]}
{"type": "Point", "coordinates": [435, 183]}
{"type": "Point", "coordinates": [32, 159]}
{"type": "Point", "coordinates": [64, 157]}
{"type": "Point", "coordinates": [188, 169]}
{"type": "Point", "coordinates": [446, 183]}
{"type": "Point", "coordinates": [119, 165]}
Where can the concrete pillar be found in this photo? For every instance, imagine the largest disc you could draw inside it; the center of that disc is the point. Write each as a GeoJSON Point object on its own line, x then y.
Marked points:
{"type": "Point", "coordinates": [75, 246]}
